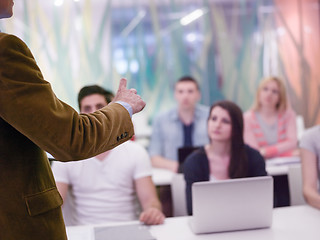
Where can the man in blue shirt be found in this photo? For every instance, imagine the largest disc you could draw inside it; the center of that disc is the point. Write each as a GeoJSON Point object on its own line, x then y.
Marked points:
{"type": "Point", "coordinates": [182, 126]}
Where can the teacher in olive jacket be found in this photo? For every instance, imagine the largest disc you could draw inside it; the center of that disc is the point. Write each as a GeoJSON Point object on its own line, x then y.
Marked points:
{"type": "Point", "coordinates": [32, 121]}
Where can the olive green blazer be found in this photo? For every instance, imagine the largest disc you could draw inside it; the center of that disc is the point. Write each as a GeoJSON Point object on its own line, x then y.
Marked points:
{"type": "Point", "coordinates": [34, 120]}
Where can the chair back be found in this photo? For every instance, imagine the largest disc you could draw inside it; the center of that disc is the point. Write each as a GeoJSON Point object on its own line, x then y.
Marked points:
{"type": "Point", "coordinates": [178, 191]}
{"type": "Point", "coordinates": [300, 126]}
{"type": "Point", "coordinates": [295, 185]}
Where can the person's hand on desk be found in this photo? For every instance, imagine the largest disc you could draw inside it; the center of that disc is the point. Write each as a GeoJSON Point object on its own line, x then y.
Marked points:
{"type": "Point", "coordinates": [262, 152]}
{"type": "Point", "coordinates": [152, 216]}
{"type": "Point", "coordinates": [161, 162]}
{"type": "Point", "coordinates": [174, 166]}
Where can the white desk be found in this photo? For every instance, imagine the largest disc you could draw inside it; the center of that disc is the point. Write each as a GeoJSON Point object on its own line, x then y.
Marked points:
{"type": "Point", "coordinates": [162, 176]}
{"type": "Point", "coordinates": [274, 167]}
{"type": "Point", "coordinates": [280, 166]}
{"type": "Point", "coordinates": [289, 223]}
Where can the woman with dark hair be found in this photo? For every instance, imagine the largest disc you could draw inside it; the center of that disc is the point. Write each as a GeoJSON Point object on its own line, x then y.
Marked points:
{"type": "Point", "coordinates": [226, 156]}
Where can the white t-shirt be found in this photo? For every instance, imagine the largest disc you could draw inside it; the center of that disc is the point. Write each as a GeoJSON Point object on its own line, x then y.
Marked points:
{"type": "Point", "coordinates": [104, 191]}
{"type": "Point", "coordinates": [311, 141]}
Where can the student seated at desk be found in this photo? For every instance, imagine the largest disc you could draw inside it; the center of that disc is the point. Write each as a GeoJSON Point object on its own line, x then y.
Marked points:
{"type": "Point", "coordinates": [226, 156]}
{"type": "Point", "coordinates": [106, 186]}
{"type": "Point", "coordinates": [181, 126]}
{"type": "Point", "coordinates": [270, 126]}
{"type": "Point", "coordinates": [310, 157]}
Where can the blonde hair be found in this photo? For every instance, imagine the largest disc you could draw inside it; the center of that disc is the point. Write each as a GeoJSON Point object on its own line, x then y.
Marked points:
{"type": "Point", "coordinates": [282, 105]}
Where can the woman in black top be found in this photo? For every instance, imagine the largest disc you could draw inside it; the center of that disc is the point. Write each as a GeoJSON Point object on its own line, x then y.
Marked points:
{"type": "Point", "coordinates": [226, 156]}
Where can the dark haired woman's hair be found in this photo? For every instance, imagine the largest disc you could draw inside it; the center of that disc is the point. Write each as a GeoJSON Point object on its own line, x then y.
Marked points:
{"type": "Point", "coordinates": [238, 166]}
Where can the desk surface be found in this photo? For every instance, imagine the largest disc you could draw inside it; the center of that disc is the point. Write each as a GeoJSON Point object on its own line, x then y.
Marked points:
{"type": "Point", "coordinates": [274, 167]}
{"type": "Point", "coordinates": [289, 223]}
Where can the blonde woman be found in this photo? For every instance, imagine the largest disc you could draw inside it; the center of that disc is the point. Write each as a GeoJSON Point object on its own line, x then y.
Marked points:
{"type": "Point", "coordinates": [270, 126]}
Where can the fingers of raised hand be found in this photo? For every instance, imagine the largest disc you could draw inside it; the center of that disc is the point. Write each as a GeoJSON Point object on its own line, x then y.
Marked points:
{"type": "Point", "coordinates": [123, 84]}
{"type": "Point", "coordinates": [133, 90]}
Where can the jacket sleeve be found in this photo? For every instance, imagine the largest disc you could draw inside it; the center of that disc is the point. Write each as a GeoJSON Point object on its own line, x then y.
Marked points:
{"type": "Point", "coordinates": [28, 103]}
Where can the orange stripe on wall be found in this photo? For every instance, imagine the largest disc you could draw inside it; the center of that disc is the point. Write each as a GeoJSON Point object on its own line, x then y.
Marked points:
{"type": "Point", "coordinates": [299, 48]}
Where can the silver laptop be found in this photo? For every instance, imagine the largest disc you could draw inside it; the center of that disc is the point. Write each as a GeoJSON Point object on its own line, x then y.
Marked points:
{"type": "Point", "coordinates": [229, 205]}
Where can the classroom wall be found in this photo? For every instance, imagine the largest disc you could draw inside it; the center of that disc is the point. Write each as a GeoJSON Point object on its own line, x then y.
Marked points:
{"type": "Point", "coordinates": [228, 49]}
{"type": "Point", "coordinates": [299, 52]}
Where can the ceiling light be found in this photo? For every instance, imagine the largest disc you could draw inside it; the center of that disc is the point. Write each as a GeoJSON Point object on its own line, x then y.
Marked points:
{"type": "Point", "coordinates": [191, 17]}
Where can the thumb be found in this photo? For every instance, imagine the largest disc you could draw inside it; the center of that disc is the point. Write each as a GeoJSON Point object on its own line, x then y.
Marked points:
{"type": "Point", "coordinates": [123, 84]}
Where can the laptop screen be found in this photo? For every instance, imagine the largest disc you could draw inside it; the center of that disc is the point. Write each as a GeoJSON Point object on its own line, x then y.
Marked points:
{"type": "Point", "coordinates": [234, 204]}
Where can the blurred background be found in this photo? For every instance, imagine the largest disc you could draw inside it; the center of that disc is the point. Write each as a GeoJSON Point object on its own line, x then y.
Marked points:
{"type": "Point", "coordinates": [227, 45]}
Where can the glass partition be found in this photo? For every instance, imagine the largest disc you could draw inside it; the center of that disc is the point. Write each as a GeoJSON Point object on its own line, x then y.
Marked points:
{"type": "Point", "coordinates": [227, 45]}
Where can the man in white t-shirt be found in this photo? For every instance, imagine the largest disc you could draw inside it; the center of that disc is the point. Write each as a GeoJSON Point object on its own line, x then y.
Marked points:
{"type": "Point", "coordinates": [105, 188]}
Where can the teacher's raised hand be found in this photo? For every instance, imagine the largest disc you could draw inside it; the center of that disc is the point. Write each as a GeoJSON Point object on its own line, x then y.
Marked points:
{"type": "Point", "coordinates": [129, 96]}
